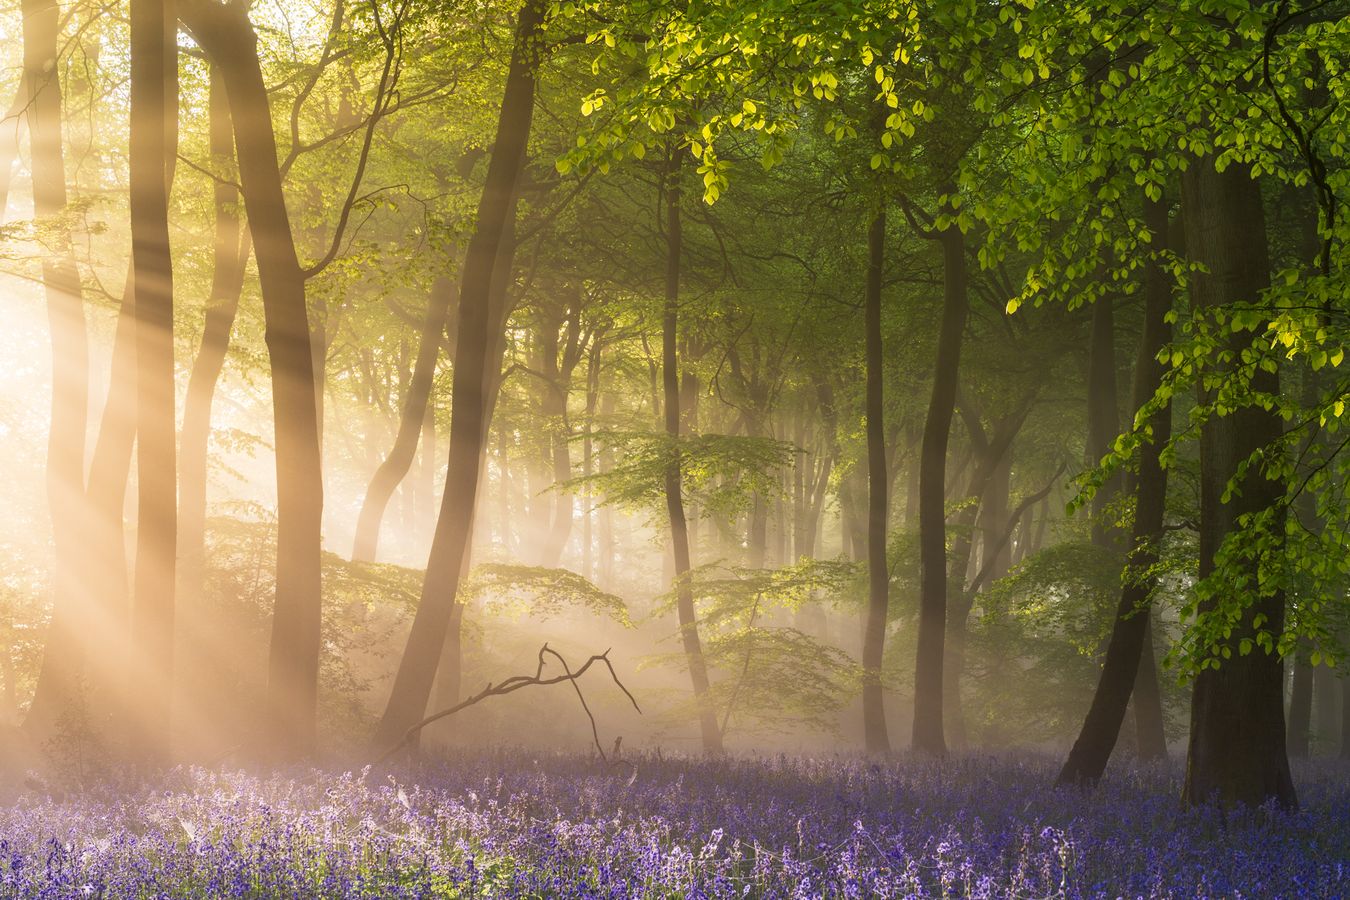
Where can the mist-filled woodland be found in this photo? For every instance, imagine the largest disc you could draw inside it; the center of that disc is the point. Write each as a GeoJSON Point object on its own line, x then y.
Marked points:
{"type": "Point", "coordinates": [572, 448]}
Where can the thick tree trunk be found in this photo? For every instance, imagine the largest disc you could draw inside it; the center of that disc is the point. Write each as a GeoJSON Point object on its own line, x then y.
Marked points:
{"type": "Point", "coordinates": [875, 735]}
{"type": "Point", "coordinates": [228, 38]}
{"type": "Point", "coordinates": [1130, 633]}
{"type": "Point", "coordinates": [928, 670]}
{"type": "Point", "coordinates": [400, 459]}
{"type": "Point", "coordinates": [227, 283]}
{"type": "Point", "coordinates": [1237, 741]}
{"type": "Point", "coordinates": [156, 459]}
{"type": "Point", "coordinates": [63, 656]}
{"type": "Point", "coordinates": [487, 257]}
{"type": "Point", "coordinates": [679, 530]}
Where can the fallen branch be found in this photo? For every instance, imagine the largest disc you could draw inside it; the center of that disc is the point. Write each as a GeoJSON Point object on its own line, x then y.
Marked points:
{"type": "Point", "coordinates": [515, 683]}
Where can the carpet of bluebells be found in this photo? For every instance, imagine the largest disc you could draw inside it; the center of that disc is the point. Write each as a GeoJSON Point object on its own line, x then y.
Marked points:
{"type": "Point", "coordinates": [513, 824]}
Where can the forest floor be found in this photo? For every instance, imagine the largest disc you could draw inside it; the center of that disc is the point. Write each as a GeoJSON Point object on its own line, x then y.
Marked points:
{"type": "Point", "coordinates": [522, 824]}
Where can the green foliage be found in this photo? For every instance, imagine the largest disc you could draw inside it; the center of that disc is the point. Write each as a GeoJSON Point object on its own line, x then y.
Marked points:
{"type": "Point", "coordinates": [540, 593]}
{"type": "Point", "coordinates": [720, 474]}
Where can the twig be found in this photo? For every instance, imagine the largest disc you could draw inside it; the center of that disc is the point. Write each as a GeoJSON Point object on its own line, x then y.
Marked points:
{"type": "Point", "coordinates": [515, 683]}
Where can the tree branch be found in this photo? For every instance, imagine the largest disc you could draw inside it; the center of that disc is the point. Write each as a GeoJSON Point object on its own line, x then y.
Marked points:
{"type": "Point", "coordinates": [515, 683]}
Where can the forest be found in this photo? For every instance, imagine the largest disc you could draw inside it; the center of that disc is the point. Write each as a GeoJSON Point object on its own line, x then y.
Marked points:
{"type": "Point", "coordinates": [674, 448]}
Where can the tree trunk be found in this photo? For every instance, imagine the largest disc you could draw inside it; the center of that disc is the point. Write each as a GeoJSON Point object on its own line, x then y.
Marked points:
{"type": "Point", "coordinates": [1103, 418]}
{"type": "Point", "coordinates": [1150, 734]}
{"type": "Point", "coordinates": [1345, 718]}
{"type": "Point", "coordinates": [679, 530]}
{"type": "Point", "coordinates": [875, 736]}
{"type": "Point", "coordinates": [230, 43]}
{"type": "Point", "coordinates": [1300, 709]}
{"type": "Point", "coordinates": [400, 459]}
{"type": "Point", "coordinates": [63, 656]}
{"type": "Point", "coordinates": [996, 555]}
{"type": "Point", "coordinates": [1326, 691]}
{"type": "Point", "coordinates": [1130, 633]}
{"type": "Point", "coordinates": [605, 552]}
{"type": "Point", "coordinates": [928, 670]}
{"type": "Point", "coordinates": [1237, 740]}
{"type": "Point", "coordinates": [593, 361]}
{"type": "Point", "coordinates": [227, 283]}
{"type": "Point", "coordinates": [11, 132]}
{"type": "Point", "coordinates": [491, 240]}
{"type": "Point", "coordinates": [156, 463]}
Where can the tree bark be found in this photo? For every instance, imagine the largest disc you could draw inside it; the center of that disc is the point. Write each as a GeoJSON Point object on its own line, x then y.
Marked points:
{"type": "Point", "coordinates": [1326, 693]}
{"type": "Point", "coordinates": [679, 529]}
{"type": "Point", "coordinates": [227, 37]}
{"type": "Point", "coordinates": [928, 670]}
{"type": "Point", "coordinates": [1103, 418]}
{"type": "Point", "coordinates": [1237, 749]}
{"type": "Point", "coordinates": [1345, 718]}
{"type": "Point", "coordinates": [492, 238]}
{"type": "Point", "coordinates": [156, 454]}
{"type": "Point", "coordinates": [400, 459]}
{"type": "Point", "coordinates": [875, 735]}
{"type": "Point", "coordinates": [1130, 633]}
{"type": "Point", "coordinates": [1300, 710]}
{"type": "Point", "coordinates": [11, 132]}
{"type": "Point", "coordinates": [227, 283]}
{"type": "Point", "coordinates": [63, 656]}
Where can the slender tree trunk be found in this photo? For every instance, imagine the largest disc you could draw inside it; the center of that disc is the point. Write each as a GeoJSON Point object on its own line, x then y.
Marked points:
{"type": "Point", "coordinates": [1326, 691]}
{"type": "Point", "coordinates": [928, 736]}
{"type": "Point", "coordinates": [156, 463]}
{"type": "Point", "coordinates": [491, 239]}
{"type": "Point", "coordinates": [1103, 418]}
{"type": "Point", "coordinates": [229, 41]}
{"type": "Point", "coordinates": [679, 530]}
{"type": "Point", "coordinates": [593, 360]}
{"type": "Point", "coordinates": [12, 127]}
{"type": "Point", "coordinates": [227, 283]}
{"type": "Point", "coordinates": [426, 488]}
{"type": "Point", "coordinates": [993, 520]}
{"type": "Point", "coordinates": [400, 459]}
{"type": "Point", "coordinates": [605, 551]}
{"type": "Point", "coordinates": [875, 735]}
{"type": "Point", "coordinates": [63, 656]}
{"type": "Point", "coordinates": [1150, 733]}
{"type": "Point", "coordinates": [1103, 426]}
{"type": "Point", "coordinates": [1237, 741]}
{"type": "Point", "coordinates": [1130, 633]}
{"type": "Point", "coordinates": [1300, 710]}
{"type": "Point", "coordinates": [1345, 718]}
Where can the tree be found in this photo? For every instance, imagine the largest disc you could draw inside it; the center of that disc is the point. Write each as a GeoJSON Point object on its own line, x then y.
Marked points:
{"type": "Point", "coordinates": [878, 571]}
{"type": "Point", "coordinates": [152, 267]}
{"type": "Point", "coordinates": [679, 528]}
{"type": "Point", "coordinates": [1147, 486]}
{"type": "Point", "coordinates": [63, 657]}
{"type": "Point", "coordinates": [486, 255]}
{"type": "Point", "coordinates": [396, 465]}
{"type": "Point", "coordinates": [226, 35]}
{"type": "Point", "coordinates": [1237, 743]}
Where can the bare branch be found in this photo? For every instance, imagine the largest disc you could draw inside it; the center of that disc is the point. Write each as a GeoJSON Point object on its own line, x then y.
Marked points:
{"type": "Point", "coordinates": [515, 683]}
